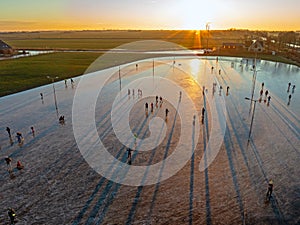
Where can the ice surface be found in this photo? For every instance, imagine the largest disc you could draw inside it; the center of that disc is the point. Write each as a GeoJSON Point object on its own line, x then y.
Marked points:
{"type": "Point", "coordinates": [58, 186]}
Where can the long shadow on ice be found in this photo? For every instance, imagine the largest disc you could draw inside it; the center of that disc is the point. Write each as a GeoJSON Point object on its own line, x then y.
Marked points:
{"type": "Point", "coordinates": [162, 167]}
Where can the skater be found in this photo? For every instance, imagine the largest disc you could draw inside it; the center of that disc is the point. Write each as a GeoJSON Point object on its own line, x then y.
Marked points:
{"type": "Point", "coordinates": [167, 111]}
{"type": "Point", "coordinates": [220, 91]}
{"type": "Point", "coordinates": [212, 69]}
{"type": "Point", "coordinates": [269, 99]}
{"type": "Point", "coordinates": [289, 85]}
{"type": "Point", "coordinates": [180, 94]}
{"type": "Point", "coordinates": [32, 131]}
{"type": "Point", "coordinates": [20, 165]}
{"type": "Point", "coordinates": [266, 95]}
{"type": "Point", "coordinates": [290, 97]}
{"type": "Point", "coordinates": [133, 92]}
{"type": "Point", "coordinates": [262, 85]}
{"type": "Point", "coordinates": [203, 112]}
{"type": "Point", "coordinates": [66, 83]}
{"type": "Point", "coordinates": [270, 189]}
{"type": "Point", "coordinates": [293, 88]}
{"type": "Point", "coordinates": [61, 120]}
{"type": "Point", "coordinates": [42, 97]}
{"type": "Point", "coordinates": [129, 150]}
{"type": "Point", "coordinates": [146, 107]}
{"type": "Point", "coordinates": [12, 215]}
{"type": "Point", "coordinates": [8, 131]}
{"type": "Point", "coordinates": [203, 90]}
{"type": "Point", "coordinates": [151, 106]}
{"type": "Point", "coordinates": [227, 91]}
{"type": "Point", "coordinates": [160, 101]}
{"type": "Point", "coordinates": [136, 66]}
{"type": "Point", "coordinates": [261, 92]}
{"type": "Point", "coordinates": [128, 92]}
{"type": "Point", "coordinates": [19, 137]}
{"type": "Point", "coordinates": [219, 71]}
{"type": "Point", "coordinates": [72, 81]}
{"type": "Point", "coordinates": [217, 59]}
{"type": "Point", "coordinates": [8, 163]}
{"type": "Point", "coordinates": [194, 120]}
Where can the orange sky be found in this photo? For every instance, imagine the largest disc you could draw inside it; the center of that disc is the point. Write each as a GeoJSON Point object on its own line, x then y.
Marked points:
{"type": "Point", "coordinates": [148, 14]}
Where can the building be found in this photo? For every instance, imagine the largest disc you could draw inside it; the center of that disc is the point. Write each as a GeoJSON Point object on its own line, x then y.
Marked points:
{"type": "Point", "coordinates": [256, 46]}
{"type": "Point", "coordinates": [233, 46]}
{"type": "Point", "coordinates": [5, 49]}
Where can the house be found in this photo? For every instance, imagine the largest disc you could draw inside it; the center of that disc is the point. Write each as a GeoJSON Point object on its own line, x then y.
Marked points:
{"type": "Point", "coordinates": [5, 49]}
{"type": "Point", "coordinates": [256, 46]}
{"type": "Point", "coordinates": [233, 45]}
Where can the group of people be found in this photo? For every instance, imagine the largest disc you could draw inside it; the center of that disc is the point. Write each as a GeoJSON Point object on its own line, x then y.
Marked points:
{"type": "Point", "coordinates": [139, 92]}
{"type": "Point", "coordinates": [72, 83]}
{"type": "Point", "coordinates": [220, 89]}
{"type": "Point", "coordinates": [267, 96]}
{"type": "Point", "coordinates": [158, 102]}
{"type": "Point", "coordinates": [288, 91]}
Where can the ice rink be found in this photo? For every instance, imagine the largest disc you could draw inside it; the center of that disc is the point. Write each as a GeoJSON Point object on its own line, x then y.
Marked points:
{"type": "Point", "coordinates": [58, 186]}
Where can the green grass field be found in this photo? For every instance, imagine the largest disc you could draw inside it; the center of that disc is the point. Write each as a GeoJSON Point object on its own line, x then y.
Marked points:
{"type": "Point", "coordinates": [25, 73]}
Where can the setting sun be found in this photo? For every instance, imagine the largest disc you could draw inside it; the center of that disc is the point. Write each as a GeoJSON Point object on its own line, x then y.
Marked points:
{"type": "Point", "coordinates": [149, 14]}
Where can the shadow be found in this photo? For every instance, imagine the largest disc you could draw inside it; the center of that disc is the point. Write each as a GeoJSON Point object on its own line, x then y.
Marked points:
{"type": "Point", "coordinates": [229, 149]}
{"type": "Point", "coordinates": [205, 135]}
{"type": "Point", "coordinates": [140, 188]}
{"type": "Point", "coordinates": [191, 196]}
{"type": "Point", "coordinates": [110, 190]}
{"type": "Point", "coordinates": [162, 167]}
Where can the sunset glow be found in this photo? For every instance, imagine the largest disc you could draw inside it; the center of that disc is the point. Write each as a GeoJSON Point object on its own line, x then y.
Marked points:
{"type": "Point", "coordinates": [148, 14]}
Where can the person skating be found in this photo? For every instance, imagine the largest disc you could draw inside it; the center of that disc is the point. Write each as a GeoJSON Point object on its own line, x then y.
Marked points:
{"type": "Point", "coordinates": [293, 88]}
{"type": "Point", "coordinates": [61, 120]}
{"type": "Point", "coordinates": [32, 131]}
{"type": "Point", "coordinates": [290, 97]}
{"type": "Point", "coordinates": [19, 137]}
{"type": "Point", "coordinates": [289, 86]}
{"type": "Point", "coordinates": [20, 165]}
{"type": "Point", "coordinates": [203, 112]}
{"type": "Point", "coordinates": [269, 99]}
{"type": "Point", "coordinates": [42, 97]}
{"type": "Point", "coordinates": [146, 107]}
{"type": "Point", "coordinates": [8, 131]}
{"type": "Point", "coordinates": [227, 91]}
{"type": "Point", "coordinates": [270, 189]}
{"type": "Point", "coordinates": [151, 107]}
{"type": "Point", "coordinates": [266, 95]}
{"type": "Point", "coordinates": [12, 215]}
{"type": "Point", "coordinates": [167, 112]}
{"type": "Point", "coordinates": [8, 163]}
{"type": "Point", "coordinates": [129, 150]}
{"type": "Point", "coordinates": [261, 92]}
